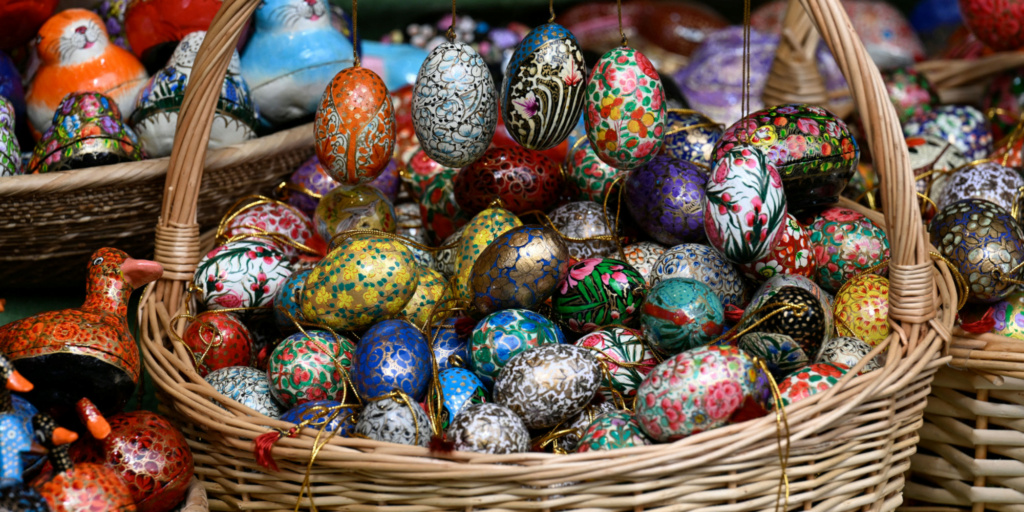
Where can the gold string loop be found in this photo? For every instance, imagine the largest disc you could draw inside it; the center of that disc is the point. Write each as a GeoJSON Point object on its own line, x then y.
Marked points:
{"type": "Point", "coordinates": [618, 5]}
{"type": "Point", "coordinates": [781, 424]}
{"type": "Point", "coordinates": [450, 34]}
{"type": "Point", "coordinates": [551, 9]}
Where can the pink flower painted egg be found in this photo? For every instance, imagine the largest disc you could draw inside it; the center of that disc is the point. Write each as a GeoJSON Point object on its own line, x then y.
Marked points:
{"type": "Point", "coordinates": [283, 224]}
{"type": "Point", "coordinates": [792, 254]}
{"type": "Point", "coordinates": [846, 244]}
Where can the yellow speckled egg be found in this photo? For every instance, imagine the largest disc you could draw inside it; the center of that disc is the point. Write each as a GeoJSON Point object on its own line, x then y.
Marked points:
{"type": "Point", "coordinates": [479, 233]}
{"type": "Point", "coordinates": [363, 280]}
{"type": "Point", "coordinates": [862, 308]}
{"type": "Point", "coordinates": [429, 292]}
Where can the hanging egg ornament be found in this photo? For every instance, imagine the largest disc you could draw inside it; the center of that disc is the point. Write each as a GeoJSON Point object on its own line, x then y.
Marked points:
{"type": "Point", "coordinates": [598, 292]}
{"type": "Point", "coordinates": [546, 385]}
{"type": "Point", "coordinates": [542, 94]}
{"type": "Point", "coordinates": [309, 366]}
{"type": "Point", "coordinates": [454, 107]}
{"type": "Point", "coordinates": [590, 179]}
{"type": "Point", "coordinates": [780, 353]}
{"type": "Point", "coordinates": [288, 302]}
{"type": "Point", "coordinates": [797, 313]}
{"type": "Point", "coordinates": [489, 428]}
{"type": "Point", "coordinates": [846, 244]}
{"type": "Point", "coordinates": [355, 126]}
{"type": "Point", "coordinates": [460, 388]}
{"type": "Point", "coordinates": [862, 309]}
{"type": "Point", "coordinates": [523, 180]}
{"type": "Point", "coordinates": [247, 386]}
{"type": "Point", "coordinates": [392, 355]}
{"type": "Point", "coordinates": [704, 264]}
{"type": "Point", "coordinates": [218, 339]}
{"type": "Point", "coordinates": [664, 196]}
{"type": "Point", "coordinates": [642, 256]}
{"type": "Point", "coordinates": [691, 136]}
{"type": "Point", "coordinates": [479, 233]}
{"type": "Point", "coordinates": [848, 351]}
{"type": "Point", "coordinates": [681, 314]}
{"type": "Point", "coordinates": [624, 357]}
{"type": "Point", "coordinates": [519, 269]}
{"type": "Point", "coordinates": [625, 109]}
{"type": "Point", "coordinates": [394, 419]}
{"type": "Point", "coordinates": [792, 254]}
{"type": "Point", "coordinates": [503, 334]}
{"type": "Point", "coordinates": [585, 221]}
{"type": "Point", "coordinates": [241, 274]}
{"type": "Point", "coordinates": [329, 415]}
{"type": "Point", "coordinates": [308, 184]}
{"type": "Point", "coordinates": [809, 381]}
{"type": "Point", "coordinates": [611, 431]}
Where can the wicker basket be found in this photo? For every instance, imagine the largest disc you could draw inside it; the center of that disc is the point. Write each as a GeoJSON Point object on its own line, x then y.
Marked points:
{"type": "Point", "coordinates": [195, 498]}
{"type": "Point", "coordinates": [849, 447]}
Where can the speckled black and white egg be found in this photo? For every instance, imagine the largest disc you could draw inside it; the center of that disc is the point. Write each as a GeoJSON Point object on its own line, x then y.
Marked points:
{"type": "Point", "coordinates": [548, 384]}
{"type": "Point", "coordinates": [489, 428]}
{"type": "Point", "coordinates": [775, 283]}
{"type": "Point", "coordinates": [394, 421]}
{"type": "Point", "coordinates": [706, 265]}
{"type": "Point", "coordinates": [247, 386]}
{"type": "Point", "coordinates": [584, 219]}
{"type": "Point", "coordinates": [848, 351]}
{"type": "Point", "coordinates": [806, 326]}
{"type": "Point", "coordinates": [780, 353]}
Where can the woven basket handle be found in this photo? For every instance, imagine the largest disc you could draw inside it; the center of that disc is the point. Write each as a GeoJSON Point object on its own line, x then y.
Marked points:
{"type": "Point", "coordinates": [794, 76]}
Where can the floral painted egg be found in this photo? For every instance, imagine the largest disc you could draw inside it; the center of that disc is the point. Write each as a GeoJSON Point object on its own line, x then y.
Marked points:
{"type": "Point", "coordinates": [691, 136]}
{"type": "Point", "coordinates": [848, 351]}
{"type": "Point", "coordinates": [625, 109]}
{"type": "Point", "coordinates": [460, 388]}
{"type": "Point", "coordinates": [310, 366]}
{"type": "Point", "coordinates": [441, 215]}
{"type": "Point", "coordinates": [502, 335]}
{"type": "Point", "coordinates": [308, 184]}
{"type": "Point", "coordinates": [744, 205]}
{"type": "Point", "coordinates": [479, 233]}
{"type": "Point", "coordinates": [983, 242]}
{"type": "Point", "coordinates": [1005, 92]}
{"type": "Point", "coordinates": [241, 274]}
{"type": "Point", "coordinates": [910, 92]}
{"type": "Point", "coordinates": [846, 244]}
{"type": "Point", "coordinates": [811, 149]}
{"type": "Point", "coordinates": [695, 391]}
{"type": "Point", "coordinates": [247, 386]}
{"type": "Point", "coordinates": [271, 219]}
{"type": "Point", "coordinates": [664, 196]}
{"type": "Point", "coordinates": [642, 256]}
{"type": "Point", "coordinates": [624, 358]}
{"type": "Point", "coordinates": [962, 125]}
{"type": "Point", "coordinates": [10, 150]}
{"type": "Point", "coordinates": [806, 325]}
{"type": "Point", "coordinates": [218, 339]}
{"type": "Point", "coordinates": [862, 309]}
{"type": "Point", "coordinates": [611, 431]}
{"type": "Point", "coordinates": [86, 131]}
{"type": "Point", "coordinates": [392, 355]}
{"type": "Point", "coordinates": [986, 180]}
{"type": "Point", "coordinates": [360, 282]}
{"type": "Point", "coordinates": [355, 126]}
{"type": "Point", "coordinates": [703, 264]}
{"type": "Point", "coordinates": [598, 292]}
{"type": "Point", "coordinates": [542, 94]}
{"type": "Point", "coordinates": [792, 254]}
{"type": "Point", "coordinates": [489, 428]}
{"type": "Point", "coordinates": [326, 415]}
{"type": "Point", "coordinates": [545, 385]}
{"type": "Point", "coordinates": [680, 314]}
{"type": "Point", "coordinates": [930, 153]}
{"type": "Point", "coordinates": [589, 177]}
{"type": "Point", "coordinates": [444, 258]}
{"type": "Point", "coordinates": [565, 436]}
{"type": "Point", "coordinates": [780, 353]}
{"type": "Point", "coordinates": [421, 168]}
{"type": "Point", "coordinates": [454, 107]}
{"type": "Point", "coordinates": [353, 207]}
{"type": "Point", "coordinates": [428, 293]}
{"type": "Point", "coordinates": [519, 269]}
{"type": "Point", "coordinates": [810, 381]}
{"type": "Point", "coordinates": [450, 349]}
{"type": "Point", "coordinates": [396, 420]}
{"type": "Point", "coordinates": [993, 22]}
{"type": "Point", "coordinates": [524, 180]}
{"type": "Point", "coordinates": [1009, 316]}
{"type": "Point", "coordinates": [585, 220]}
{"type": "Point", "coordinates": [288, 301]}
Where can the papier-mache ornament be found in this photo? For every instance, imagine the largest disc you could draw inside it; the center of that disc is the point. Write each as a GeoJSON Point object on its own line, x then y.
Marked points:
{"type": "Point", "coordinates": [87, 131]}
{"type": "Point", "coordinates": [10, 150]}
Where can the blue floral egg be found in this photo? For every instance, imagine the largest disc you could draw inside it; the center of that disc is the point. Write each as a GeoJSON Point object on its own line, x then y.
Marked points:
{"type": "Point", "coordinates": [288, 299]}
{"type": "Point", "coordinates": [338, 418]}
{"type": "Point", "coordinates": [690, 136]}
{"type": "Point", "coordinates": [247, 386]}
{"type": "Point", "coordinates": [963, 126]}
{"type": "Point", "coordinates": [459, 389]}
{"type": "Point", "coordinates": [681, 314]}
{"type": "Point", "coordinates": [519, 269]}
{"type": "Point", "coordinates": [392, 355]}
{"type": "Point", "coordinates": [504, 334]}
{"type": "Point", "coordinates": [450, 349]}
{"type": "Point", "coordinates": [704, 264]}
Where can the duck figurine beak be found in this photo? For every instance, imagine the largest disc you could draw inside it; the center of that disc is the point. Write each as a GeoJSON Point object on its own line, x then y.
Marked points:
{"type": "Point", "coordinates": [18, 383]}
{"type": "Point", "coordinates": [62, 436]}
{"type": "Point", "coordinates": [140, 272]}
{"type": "Point", "coordinates": [93, 419]}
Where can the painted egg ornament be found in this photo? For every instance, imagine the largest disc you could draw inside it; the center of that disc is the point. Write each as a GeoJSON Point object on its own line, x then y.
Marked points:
{"type": "Point", "coordinates": [695, 391]}
{"type": "Point", "coordinates": [792, 254]}
{"type": "Point", "coordinates": [521, 269]}
{"type": "Point", "coordinates": [1003, 99]}
{"type": "Point", "coordinates": [355, 126]}
{"type": "Point", "coordinates": [1009, 316]}
{"type": "Point", "coordinates": [309, 366]}
{"type": "Point", "coordinates": [523, 180]}
{"type": "Point", "coordinates": [962, 125]}
{"type": "Point", "coordinates": [503, 335]}
{"type": "Point", "coordinates": [247, 386]}
{"type": "Point", "coordinates": [445, 257]}
{"type": "Point", "coordinates": [642, 256]}
{"type": "Point", "coordinates": [810, 381]}
{"type": "Point", "coordinates": [288, 301]}
{"type": "Point", "coordinates": [781, 354]}
{"type": "Point", "coordinates": [545, 385]}
{"type": "Point", "coordinates": [421, 168]}
{"type": "Point", "coordinates": [262, 219]}
{"type": "Point", "coordinates": [329, 415]}
{"type": "Point", "coordinates": [612, 431]}
{"type": "Point", "coordinates": [704, 264]}
{"type": "Point", "coordinates": [10, 149]}
{"type": "Point", "coordinates": [846, 244]}
{"type": "Point", "coordinates": [441, 214]}
{"type": "Point", "coordinates": [986, 180]}
{"type": "Point", "coordinates": [86, 131]}
{"type": "Point", "coordinates": [353, 207]}
{"type": "Point", "coordinates": [848, 352]}
{"type": "Point", "coordinates": [772, 286]}
{"type": "Point", "coordinates": [394, 420]}
{"type": "Point", "coordinates": [624, 357]}
{"type": "Point", "coordinates": [664, 197]}
{"type": "Point", "coordinates": [807, 326]}
{"type": "Point", "coordinates": [744, 205]}
{"type": "Point", "coordinates": [480, 232]}
{"type": "Point", "coordinates": [980, 239]}
{"type": "Point", "coordinates": [489, 428]}
{"type": "Point", "coordinates": [910, 92]}
{"type": "Point", "coordinates": [567, 433]}
{"type": "Point", "coordinates": [392, 355]}
{"type": "Point", "coordinates": [410, 224]}
{"type": "Point", "coordinates": [454, 107]}
{"type": "Point", "coordinates": [598, 292]}
{"type": "Point", "coordinates": [460, 388]}
{"type": "Point", "coordinates": [218, 339]}
{"type": "Point", "coordinates": [681, 314]}
{"type": "Point", "coordinates": [450, 349]}
{"type": "Point", "coordinates": [308, 184]}
{"type": "Point", "coordinates": [862, 309]}
{"type": "Point", "coordinates": [990, 22]}
{"type": "Point", "coordinates": [590, 179]}
{"type": "Point", "coordinates": [241, 274]}
{"type": "Point", "coordinates": [429, 292]}
{"type": "Point", "coordinates": [691, 136]}
{"type": "Point", "coordinates": [584, 220]}
{"type": "Point", "coordinates": [930, 153]}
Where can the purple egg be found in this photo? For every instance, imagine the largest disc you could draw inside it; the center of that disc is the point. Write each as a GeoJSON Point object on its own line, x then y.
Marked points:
{"type": "Point", "coordinates": [308, 183]}
{"type": "Point", "coordinates": [389, 180]}
{"type": "Point", "coordinates": [664, 196]}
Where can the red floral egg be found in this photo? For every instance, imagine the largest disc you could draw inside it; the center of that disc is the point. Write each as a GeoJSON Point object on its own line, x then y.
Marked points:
{"type": "Point", "coordinates": [405, 135]}
{"type": "Point", "coordinates": [792, 254]}
{"type": "Point", "coordinates": [440, 213]}
{"type": "Point", "coordinates": [997, 23]}
{"type": "Point", "coordinates": [421, 168]}
{"type": "Point", "coordinates": [524, 180]}
{"type": "Point", "coordinates": [218, 339]}
{"type": "Point", "coordinates": [355, 126]}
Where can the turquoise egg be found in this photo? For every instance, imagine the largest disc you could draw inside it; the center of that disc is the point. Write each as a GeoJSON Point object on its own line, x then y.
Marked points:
{"type": "Point", "coordinates": [502, 335]}
{"type": "Point", "coordinates": [288, 299]}
{"type": "Point", "coordinates": [460, 388]}
{"type": "Point", "coordinates": [392, 355]}
{"type": "Point", "coordinates": [681, 314]}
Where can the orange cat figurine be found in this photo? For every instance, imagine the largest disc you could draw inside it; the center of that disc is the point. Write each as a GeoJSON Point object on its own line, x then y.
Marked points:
{"type": "Point", "coordinates": [76, 55]}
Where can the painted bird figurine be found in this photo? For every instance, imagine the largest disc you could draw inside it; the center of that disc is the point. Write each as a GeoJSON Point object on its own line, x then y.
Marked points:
{"type": "Point", "coordinates": [15, 430]}
{"type": "Point", "coordinates": [87, 351]}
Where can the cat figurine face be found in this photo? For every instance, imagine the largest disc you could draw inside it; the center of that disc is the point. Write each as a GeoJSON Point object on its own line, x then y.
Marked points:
{"type": "Point", "coordinates": [74, 36]}
{"type": "Point", "coordinates": [292, 15]}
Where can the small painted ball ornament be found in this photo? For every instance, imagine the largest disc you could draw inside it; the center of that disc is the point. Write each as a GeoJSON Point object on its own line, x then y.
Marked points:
{"type": "Point", "coordinates": [396, 419]}
{"type": "Point", "coordinates": [308, 184]}
{"type": "Point", "coordinates": [545, 385]}
{"type": "Point", "coordinates": [986, 180]}
{"type": "Point", "coordinates": [625, 109]}
{"type": "Point", "coordinates": [642, 256]}
{"type": "Point", "coordinates": [991, 22]}
{"type": "Point", "coordinates": [421, 168]}
{"type": "Point", "coordinates": [241, 274]}
{"type": "Point", "coordinates": [218, 339]}
{"type": "Point", "coordinates": [624, 358]}
{"type": "Point", "coordinates": [450, 349]}
{"type": "Point", "coordinates": [691, 136]}
{"type": "Point", "coordinates": [355, 126]}
{"type": "Point", "coordinates": [567, 433]}
{"type": "Point", "coordinates": [910, 92]}
{"type": "Point", "coordinates": [263, 218]}
{"type": "Point", "coordinates": [392, 355]}
{"type": "Point", "coordinates": [681, 314]}
{"type": "Point", "coordinates": [846, 244]}
{"type": "Point", "coordinates": [524, 180]}
{"type": "Point", "coordinates": [590, 179]}
{"type": "Point", "coordinates": [584, 220]}
{"type": "Point", "coordinates": [542, 94]}
{"type": "Point", "coordinates": [611, 431]}
{"type": "Point", "coordinates": [454, 106]}
{"type": "Point", "coordinates": [772, 286]}
{"type": "Point", "coordinates": [361, 281]}
{"type": "Point", "coordinates": [309, 366]}
{"type": "Point", "coordinates": [247, 386]}
{"type": "Point", "coordinates": [984, 243]}
{"type": "Point", "coordinates": [862, 309]}
{"type": "Point", "coordinates": [797, 313]}
{"type": "Point", "coordinates": [809, 381]}
{"type": "Point", "coordinates": [664, 197]}
{"type": "Point", "coordinates": [930, 153]}
{"type": "Point", "coordinates": [744, 205]}
{"type": "Point", "coordinates": [441, 215]}
{"type": "Point", "coordinates": [1009, 316]}
{"type": "Point", "coordinates": [704, 264]}
{"type": "Point", "coordinates": [792, 254]}
{"type": "Point", "coordinates": [353, 207]}
{"type": "Point", "coordinates": [489, 428]}
{"type": "Point", "coordinates": [520, 269]}
{"type": "Point", "coordinates": [598, 292]}
{"type": "Point", "coordinates": [479, 233]}
{"type": "Point", "coordinates": [288, 301]}
{"type": "Point", "coordinates": [781, 354]}
{"type": "Point", "coordinates": [961, 125]}
{"type": "Point", "coordinates": [430, 291]}
{"type": "Point", "coordinates": [695, 391]}
{"type": "Point", "coordinates": [460, 388]}
{"type": "Point", "coordinates": [848, 351]}
{"type": "Point", "coordinates": [503, 334]}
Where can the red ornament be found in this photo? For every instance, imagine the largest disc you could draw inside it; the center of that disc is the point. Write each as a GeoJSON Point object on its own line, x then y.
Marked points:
{"type": "Point", "coordinates": [218, 340]}
{"type": "Point", "coordinates": [20, 19]}
{"type": "Point", "coordinates": [997, 23]}
{"type": "Point", "coordinates": [150, 24]}
{"type": "Point", "coordinates": [524, 180]}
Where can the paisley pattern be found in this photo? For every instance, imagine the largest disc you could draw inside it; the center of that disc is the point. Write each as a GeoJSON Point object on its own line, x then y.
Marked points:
{"type": "Point", "coordinates": [862, 309]}
{"type": "Point", "coordinates": [702, 263]}
{"type": "Point", "coordinates": [642, 256]}
{"type": "Point", "coordinates": [810, 381]}
{"type": "Point", "coordinates": [599, 292]}
{"type": "Point", "coordinates": [981, 180]}
{"type": "Point", "coordinates": [963, 126]}
{"type": "Point", "coordinates": [247, 386]}
{"type": "Point", "coordinates": [519, 269]}
{"type": "Point", "coordinates": [589, 177]}
{"type": "Point", "coordinates": [848, 351]}
{"type": "Point", "coordinates": [325, 414]}
{"type": "Point", "coordinates": [392, 356]}
{"type": "Point", "coordinates": [489, 428]}
{"type": "Point", "coordinates": [547, 384]}
{"type": "Point", "coordinates": [504, 334]}
{"type": "Point", "coordinates": [691, 136]}
{"type": "Point", "coordinates": [310, 366]}
{"type": "Point", "coordinates": [524, 180]}
{"type": "Point", "coordinates": [241, 274]}
{"type": "Point", "coordinates": [664, 196]}
{"type": "Point", "coordinates": [218, 340]}
{"type": "Point", "coordinates": [611, 431]}
{"type": "Point", "coordinates": [792, 254]}
{"type": "Point", "coordinates": [460, 388]}
{"type": "Point", "coordinates": [624, 358]}
{"type": "Point", "coordinates": [394, 421]}
{"type": "Point", "coordinates": [681, 314]}
{"type": "Point", "coordinates": [846, 244]}
{"type": "Point", "coordinates": [584, 220]}
{"type": "Point", "coordinates": [780, 353]}
{"type": "Point", "coordinates": [441, 214]}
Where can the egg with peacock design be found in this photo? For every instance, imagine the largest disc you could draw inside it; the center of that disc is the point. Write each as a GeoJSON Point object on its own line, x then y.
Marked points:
{"type": "Point", "coordinates": [521, 268]}
{"type": "Point", "coordinates": [597, 292]}
{"type": "Point", "coordinates": [309, 366]}
{"type": "Point", "coordinates": [681, 314]}
{"type": "Point", "coordinates": [502, 335]}
{"type": "Point", "coordinates": [392, 356]}
{"type": "Point", "coordinates": [523, 180]}
{"type": "Point", "coordinates": [355, 126]}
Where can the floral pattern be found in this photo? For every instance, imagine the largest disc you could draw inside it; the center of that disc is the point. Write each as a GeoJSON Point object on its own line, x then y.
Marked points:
{"type": "Point", "coordinates": [792, 254]}
{"type": "Point", "coordinates": [664, 196]}
{"type": "Point", "coordinates": [846, 244]}
{"type": "Point", "coordinates": [86, 131]}
{"type": "Point", "coordinates": [772, 286]}
{"type": "Point", "coordinates": [355, 126]}
{"type": "Point", "coordinates": [523, 180]}
{"type": "Point", "coordinates": [241, 274]}
{"type": "Point", "coordinates": [450, 349]}
{"type": "Point", "coordinates": [489, 428]}
{"type": "Point", "coordinates": [353, 207]}
{"type": "Point", "coordinates": [642, 256]}
{"type": "Point", "coordinates": [681, 314]}
{"type": "Point", "coordinates": [218, 340]}
{"type": "Point", "coordinates": [442, 215]}
{"type": "Point", "coordinates": [704, 264]}
{"type": "Point", "coordinates": [848, 351]}
{"type": "Point", "coordinates": [995, 23]}
{"type": "Point", "coordinates": [624, 357]}
{"type": "Point", "coordinates": [597, 292]}
{"type": "Point", "coordinates": [1009, 316]}
{"type": "Point", "coordinates": [247, 386]}
{"type": "Point", "coordinates": [502, 335]}
{"type": "Point", "coordinates": [10, 150]}
{"type": "Point", "coordinates": [429, 292]}
{"type": "Point", "coordinates": [392, 356]}
{"type": "Point", "coordinates": [589, 177]}
{"type": "Point", "coordinates": [479, 233]}
{"type": "Point", "coordinates": [611, 431]}
{"type": "Point", "coordinates": [809, 381]}
{"type": "Point", "coordinates": [519, 269]}
{"type": "Point", "coordinates": [309, 366]}
{"type": "Point", "coordinates": [986, 180]}
{"type": "Point", "coordinates": [325, 414]}
{"type": "Point", "coordinates": [261, 219]}
{"type": "Point", "coordinates": [546, 385]}
{"type": "Point", "coordinates": [963, 126]}
{"type": "Point", "coordinates": [691, 136]}
{"type": "Point", "coordinates": [910, 92]}
{"type": "Point", "coordinates": [862, 309]}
